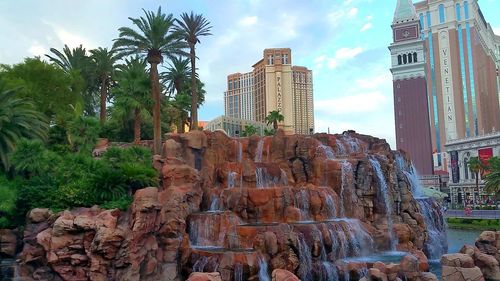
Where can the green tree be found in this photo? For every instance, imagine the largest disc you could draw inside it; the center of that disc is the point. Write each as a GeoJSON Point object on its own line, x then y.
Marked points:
{"type": "Point", "coordinates": [18, 119]}
{"type": "Point", "coordinates": [274, 118]}
{"type": "Point", "coordinates": [249, 130]}
{"type": "Point", "coordinates": [493, 178]}
{"type": "Point", "coordinates": [131, 94]}
{"type": "Point", "coordinates": [475, 166]}
{"type": "Point", "coordinates": [105, 66]}
{"type": "Point", "coordinates": [154, 40]}
{"type": "Point", "coordinates": [76, 62]}
{"type": "Point", "coordinates": [268, 132]}
{"type": "Point", "coordinates": [176, 75]}
{"type": "Point", "coordinates": [53, 91]}
{"type": "Point", "coordinates": [192, 27]}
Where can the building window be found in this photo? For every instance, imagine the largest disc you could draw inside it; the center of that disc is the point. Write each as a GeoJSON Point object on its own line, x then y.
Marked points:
{"type": "Point", "coordinates": [270, 59]}
{"type": "Point", "coordinates": [405, 60]}
{"type": "Point", "coordinates": [457, 11]}
{"type": "Point", "coordinates": [410, 58]}
{"type": "Point", "coordinates": [466, 168]}
{"type": "Point", "coordinates": [400, 60]}
{"type": "Point", "coordinates": [415, 58]}
{"type": "Point", "coordinates": [466, 10]}
{"type": "Point", "coordinates": [428, 15]}
{"type": "Point", "coordinates": [441, 13]}
{"type": "Point", "coordinates": [284, 59]}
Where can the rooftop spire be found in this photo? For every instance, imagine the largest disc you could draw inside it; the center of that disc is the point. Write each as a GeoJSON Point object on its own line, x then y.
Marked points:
{"type": "Point", "coordinates": [404, 11]}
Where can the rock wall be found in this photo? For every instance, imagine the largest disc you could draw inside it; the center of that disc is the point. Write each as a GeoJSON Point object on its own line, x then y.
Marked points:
{"type": "Point", "coordinates": [240, 207]}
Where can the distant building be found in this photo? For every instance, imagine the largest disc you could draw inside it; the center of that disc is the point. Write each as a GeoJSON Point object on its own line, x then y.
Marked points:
{"type": "Point", "coordinates": [234, 126]}
{"type": "Point", "coordinates": [274, 84]}
{"type": "Point", "coordinates": [460, 57]}
{"type": "Point", "coordinates": [462, 183]}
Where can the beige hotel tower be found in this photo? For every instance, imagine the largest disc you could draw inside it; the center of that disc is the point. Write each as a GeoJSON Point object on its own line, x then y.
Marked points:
{"type": "Point", "coordinates": [274, 84]}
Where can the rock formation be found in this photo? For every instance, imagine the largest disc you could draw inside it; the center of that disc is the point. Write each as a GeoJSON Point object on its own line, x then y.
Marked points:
{"type": "Point", "coordinates": [244, 208]}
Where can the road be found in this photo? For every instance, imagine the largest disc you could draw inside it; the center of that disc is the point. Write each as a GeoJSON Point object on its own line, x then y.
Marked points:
{"type": "Point", "coordinates": [478, 214]}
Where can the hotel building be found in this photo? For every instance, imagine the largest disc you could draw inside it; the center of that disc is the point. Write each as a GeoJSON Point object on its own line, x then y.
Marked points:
{"type": "Point", "coordinates": [274, 84]}
{"type": "Point", "coordinates": [461, 57]}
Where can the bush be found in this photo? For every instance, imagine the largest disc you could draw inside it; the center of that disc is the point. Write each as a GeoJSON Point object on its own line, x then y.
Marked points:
{"type": "Point", "coordinates": [121, 203]}
{"type": "Point", "coordinates": [8, 197]}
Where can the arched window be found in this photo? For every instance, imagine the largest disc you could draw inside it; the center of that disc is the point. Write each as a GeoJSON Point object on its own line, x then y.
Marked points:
{"type": "Point", "coordinates": [405, 61]}
{"type": "Point", "coordinates": [466, 10]}
{"type": "Point", "coordinates": [466, 168]}
{"type": "Point", "coordinates": [415, 59]}
{"type": "Point", "coordinates": [399, 60]}
{"type": "Point", "coordinates": [410, 58]}
{"type": "Point", "coordinates": [457, 11]}
{"type": "Point", "coordinates": [441, 13]}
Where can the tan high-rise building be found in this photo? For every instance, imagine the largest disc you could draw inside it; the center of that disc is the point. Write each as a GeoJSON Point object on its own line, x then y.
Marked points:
{"type": "Point", "coordinates": [275, 85]}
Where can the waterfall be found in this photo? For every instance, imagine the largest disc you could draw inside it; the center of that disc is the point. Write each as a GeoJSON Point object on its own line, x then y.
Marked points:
{"type": "Point", "coordinates": [260, 178]}
{"type": "Point", "coordinates": [240, 152]}
{"type": "Point", "coordinates": [305, 259]}
{"type": "Point", "coordinates": [302, 202]}
{"type": "Point", "coordinates": [416, 187]}
{"type": "Point", "coordinates": [238, 272]}
{"type": "Point", "coordinates": [215, 204]}
{"type": "Point", "coordinates": [353, 143]}
{"type": "Point", "coordinates": [346, 174]}
{"type": "Point", "coordinates": [330, 207]}
{"type": "Point", "coordinates": [284, 178]}
{"type": "Point", "coordinates": [263, 272]}
{"type": "Point", "coordinates": [361, 241]}
{"type": "Point", "coordinates": [327, 272]}
{"type": "Point", "coordinates": [384, 191]}
{"type": "Point", "coordinates": [231, 179]}
{"type": "Point", "coordinates": [325, 151]}
{"type": "Point", "coordinates": [200, 264]}
{"type": "Point", "coordinates": [258, 152]}
{"type": "Point", "coordinates": [340, 147]}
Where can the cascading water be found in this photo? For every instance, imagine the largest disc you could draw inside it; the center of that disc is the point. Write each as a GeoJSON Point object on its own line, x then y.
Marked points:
{"type": "Point", "coordinates": [200, 264]}
{"type": "Point", "coordinates": [238, 272]}
{"type": "Point", "coordinates": [231, 179]}
{"type": "Point", "coordinates": [436, 245]}
{"type": "Point", "coordinates": [346, 174]}
{"type": "Point", "coordinates": [325, 151]}
{"type": "Point", "coordinates": [258, 152]}
{"type": "Point", "coordinates": [354, 146]}
{"type": "Point", "coordinates": [384, 191]}
{"type": "Point", "coordinates": [330, 207]}
{"type": "Point", "coordinates": [305, 259]}
{"type": "Point", "coordinates": [341, 150]}
{"type": "Point", "coordinates": [240, 152]}
{"type": "Point", "coordinates": [263, 271]}
{"type": "Point", "coordinates": [215, 204]}
{"type": "Point", "coordinates": [302, 202]}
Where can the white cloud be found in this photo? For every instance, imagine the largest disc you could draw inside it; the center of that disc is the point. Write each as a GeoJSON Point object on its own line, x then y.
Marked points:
{"type": "Point", "coordinates": [332, 63]}
{"type": "Point", "coordinates": [348, 53]}
{"type": "Point", "coordinates": [37, 50]}
{"type": "Point", "coordinates": [496, 30]}
{"type": "Point", "coordinates": [366, 27]}
{"type": "Point", "coordinates": [248, 21]}
{"type": "Point", "coordinates": [353, 12]}
{"type": "Point", "coordinates": [351, 104]}
{"type": "Point", "coordinates": [375, 82]}
{"type": "Point", "coordinates": [70, 38]}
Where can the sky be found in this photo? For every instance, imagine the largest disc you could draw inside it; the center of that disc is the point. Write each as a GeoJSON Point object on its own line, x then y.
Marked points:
{"type": "Point", "coordinates": [344, 42]}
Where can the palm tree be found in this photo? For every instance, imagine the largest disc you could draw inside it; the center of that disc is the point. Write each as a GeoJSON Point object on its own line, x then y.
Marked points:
{"type": "Point", "coordinates": [177, 74]}
{"type": "Point", "coordinates": [493, 178]}
{"type": "Point", "coordinates": [249, 130]}
{"type": "Point", "coordinates": [131, 93]}
{"type": "Point", "coordinates": [273, 118]}
{"type": "Point", "coordinates": [76, 62]}
{"type": "Point", "coordinates": [155, 39]}
{"type": "Point", "coordinates": [475, 166]}
{"type": "Point", "coordinates": [191, 27]}
{"type": "Point", "coordinates": [104, 61]}
{"type": "Point", "coordinates": [18, 119]}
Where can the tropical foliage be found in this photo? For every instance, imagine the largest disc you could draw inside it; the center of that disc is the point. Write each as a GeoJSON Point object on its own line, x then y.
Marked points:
{"type": "Point", "coordinates": [274, 118]}
{"type": "Point", "coordinates": [192, 27]}
{"type": "Point", "coordinates": [492, 178]}
{"type": "Point", "coordinates": [249, 130]}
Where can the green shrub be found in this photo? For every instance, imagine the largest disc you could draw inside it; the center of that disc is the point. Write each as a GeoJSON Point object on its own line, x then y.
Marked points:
{"type": "Point", "coordinates": [8, 196]}
{"type": "Point", "coordinates": [121, 203]}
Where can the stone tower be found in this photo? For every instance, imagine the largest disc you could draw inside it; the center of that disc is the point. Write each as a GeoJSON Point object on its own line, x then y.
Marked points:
{"type": "Point", "coordinates": [411, 108]}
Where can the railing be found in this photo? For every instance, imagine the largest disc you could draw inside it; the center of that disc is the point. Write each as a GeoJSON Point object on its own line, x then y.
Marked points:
{"type": "Point", "coordinates": [477, 214]}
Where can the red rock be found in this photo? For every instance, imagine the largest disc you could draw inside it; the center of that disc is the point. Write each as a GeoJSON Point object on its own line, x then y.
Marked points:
{"type": "Point", "coordinates": [199, 276]}
{"type": "Point", "coordinates": [38, 215]}
{"type": "Point", "coordinates": [457, 260]}
{"type": "Point", "coordinates": [8, 242]}
{"type": "Point", "coordinates": [283, 275]}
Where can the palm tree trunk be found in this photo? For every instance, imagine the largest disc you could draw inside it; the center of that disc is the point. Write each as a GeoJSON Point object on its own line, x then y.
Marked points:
{"type": "Point", "coordinates": [137, 125]}
{"type": "Point", "coordinates": [194, 89]}
{"type": "Point", "coordinates": [155, 92]}
{"type": "Point", "coordinates": [104, 93]}
{"type": "Point", "coordinates": [275, 125]}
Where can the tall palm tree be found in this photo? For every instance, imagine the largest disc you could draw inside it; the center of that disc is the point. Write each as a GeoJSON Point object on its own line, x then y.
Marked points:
{"type": "Point", "coordinates": [475, 166]}
{"type": "Point", "coordinates": [105, 64]}
{"type": "Point", "coordinates": [155, 39]}
{"type": "Point", "coordinates": [192, 26]}
{"type": "Point", "coordinates": [177, 74]}
{"type": "Point", "coordinates": [76, 62]}
{"type": "Point", "coordinates": [274, 118]}
{"type": "Point", "coordinates": [493, 178]}
{"type": "Point", "coordinates": [18, 119]}
{"type": "Point", "coordinates": [131, 93]}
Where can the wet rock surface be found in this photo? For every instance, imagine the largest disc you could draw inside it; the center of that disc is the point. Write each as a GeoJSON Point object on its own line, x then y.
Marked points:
{"type": "Point", "coordinates": [271, 208]}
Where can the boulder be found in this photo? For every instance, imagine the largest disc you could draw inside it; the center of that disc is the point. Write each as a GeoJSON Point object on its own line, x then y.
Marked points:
{"type": "Point", "coordinates": [428, 276]}
{"type": "Point", "coordinates": [457, 260]}
{"type": "Point", "coordinates": [488, 265]}
{"type": "Point", "coordinates": [8, 242]}
{"type": "Point", "coordinates": [39, 215]}
{"type": "Point", "coordinates": [283, 275]}
{"type": "Point", "coordinates": [450, 273]}
{"type": "Point", "coordinates": [487, 237]}
{"type": "Point", "coordinates": [376, 275]}
{"type": "Point", "coordinates": [203, 276]}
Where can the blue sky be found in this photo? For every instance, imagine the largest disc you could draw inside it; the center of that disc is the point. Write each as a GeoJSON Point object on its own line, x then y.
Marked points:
{"type": "Point", "coordinates": [344, 42]}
